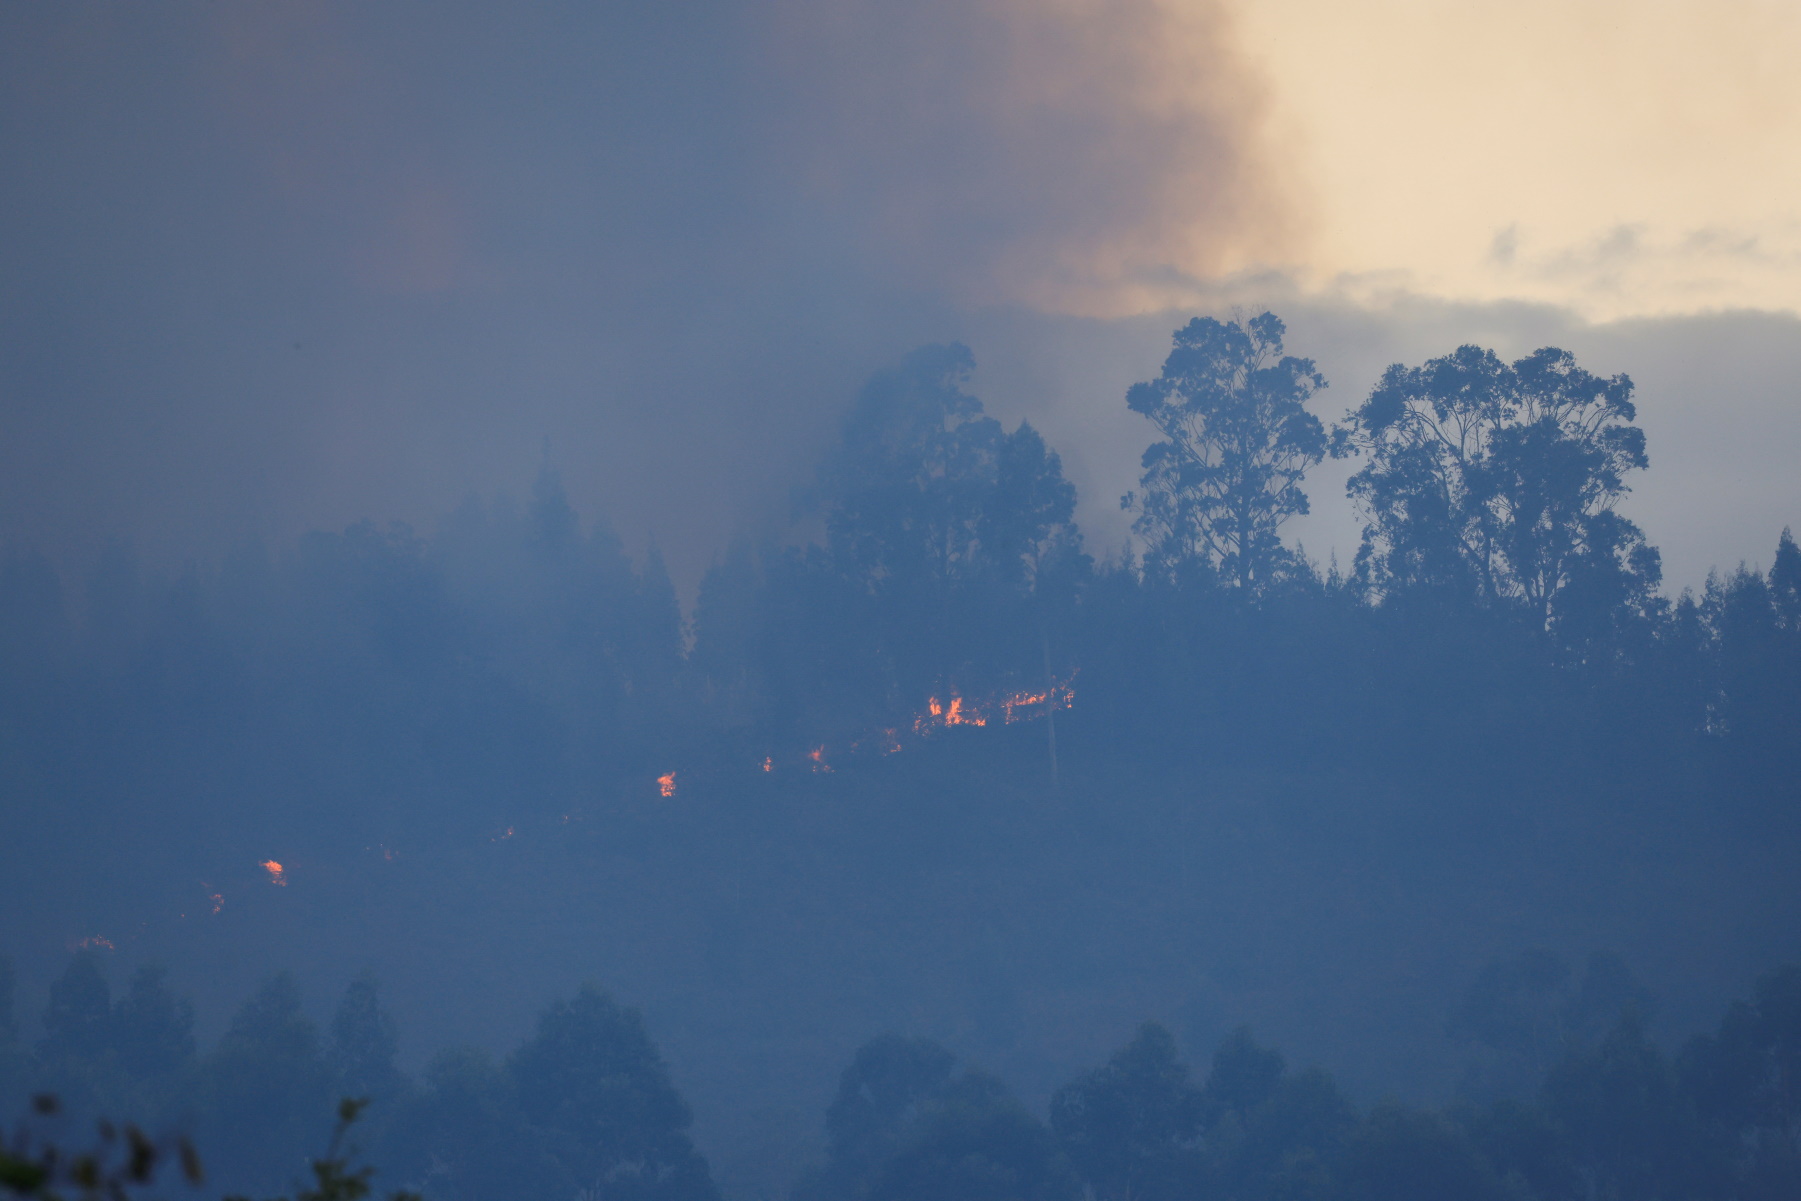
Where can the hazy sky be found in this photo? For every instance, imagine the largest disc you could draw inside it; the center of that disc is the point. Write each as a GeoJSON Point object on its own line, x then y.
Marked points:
{"type": "Point", "coordinates": [1621, 157]}
{"type": "Point", "coordinates": [276, 267]}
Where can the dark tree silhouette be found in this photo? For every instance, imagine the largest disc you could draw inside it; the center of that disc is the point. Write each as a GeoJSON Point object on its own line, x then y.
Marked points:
{"type": "Point", "coordinates": [1237, 441]}
{"type": "Point", "coordinates": [903, 1128]}
{"type": "Point", "coordinates": [264, 1092]}
{"type": "Point", "coordinates": [78, 1018]}
{"type": "Point", "coordinates": [1401, 1154]}
{"type": "Point", "coordinates": [100, 1056]}
{"type": "Point", "coordinates": [592, 1079]}
{"type": "Point", "coordinates": [948, 543]}
{"type": "Point", "coordinates": [880, 1094]}
{"type": "Point", "coordinates": [1243, 1076]}
{"type": "Point", "coordinates": [975, 1143]}
{"type": "Point", "coordinates": [1529, 1011]}
{"type": "Point", "coordinates": [1745, 1081]}
{"type": "Point", "coordinates": [1624, 1120]}
{"type": "Point", "coordinates": [1500, 481]}
{"type": "Point", "coordinates": [923, 488]}
{"type": "Point", "coordinates": [1130, 1127]}
{"type": "Point", "coordinates": [1756, 700]}
{"type": "Point", "coordinates": [464, 1136]}
{"type": "Point", "coordinates": [363, 1045]}
{"type": "Point", "coordinates": [153, 1029]}
{"type": "Point", "coordinates": [1785, 582]}
{"type": "Point", "coordinates": [1269, 1133]}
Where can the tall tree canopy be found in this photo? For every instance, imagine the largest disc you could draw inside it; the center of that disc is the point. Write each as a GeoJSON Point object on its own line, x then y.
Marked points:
{"type": "Point", "coordinates": [1501, 480]}
{"type": "Point", "coordinates": [364, 1044]}
{"type": "Point", "coordinates": [903, 1127]}
{"type": "Point", "coordinates": [1237, 440]}
{"type": "Point", "coordinates": [1130, 1125]}
{"type": "Point", "coordinates": [924, 488]}
{"type": "Point", "coordinates": [951, 551]}
{"type": "Point", "coordinates": [592, 1078]}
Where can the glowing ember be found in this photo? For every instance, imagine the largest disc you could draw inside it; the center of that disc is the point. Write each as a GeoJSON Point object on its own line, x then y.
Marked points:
{"type": "Point", "coordinates": [95, 942]}
{"type": "Point", "coordinates": [951, 708]}
{"type": "Point", "coordinates": [666, 784]}
{"type": "Point", "coordinates": [277, 876]}
{"type": "Point", "coordinates": [1007, 708]}
{"type": "Point", "coordinates": [218, 900]}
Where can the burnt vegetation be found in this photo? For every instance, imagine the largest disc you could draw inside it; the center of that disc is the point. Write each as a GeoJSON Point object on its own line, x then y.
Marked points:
{"type": "Point", "coordinates": [930, 765]}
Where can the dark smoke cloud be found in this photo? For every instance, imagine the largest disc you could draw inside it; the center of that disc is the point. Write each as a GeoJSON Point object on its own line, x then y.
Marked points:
{"type": "Point", "coordinates": [1068, 155]}
{"type": "Point", "coordinates": [265, 268]}
{"type": "Point", "coordinates": [286, 266]}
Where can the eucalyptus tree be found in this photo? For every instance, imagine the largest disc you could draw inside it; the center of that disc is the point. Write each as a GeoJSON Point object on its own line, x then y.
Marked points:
{"type": "Point", "coordinates": [955, 537]}
{"type": "Point", "coordinates": [1237, 441]}
{"type": "Point", "coordinates": [925, 489]}
{"type": "Point", "coordinates": [1502, 481]}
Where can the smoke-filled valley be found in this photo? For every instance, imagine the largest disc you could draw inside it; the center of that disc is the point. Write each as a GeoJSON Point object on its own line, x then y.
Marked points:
{"type": "Point", "coordinates": [569, 626]}
{"type": "Point", "coordinates": [1438, 822]}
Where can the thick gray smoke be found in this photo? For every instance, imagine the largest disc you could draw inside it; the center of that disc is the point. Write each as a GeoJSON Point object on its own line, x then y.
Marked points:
{"type": "Point", "coordinates": [267, 268]}
{"type": "Point", "coordinates": [279, 267]}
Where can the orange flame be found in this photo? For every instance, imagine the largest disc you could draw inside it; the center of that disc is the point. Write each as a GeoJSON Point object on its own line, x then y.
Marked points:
{"type": "Point", "coordinates": [961, 712]}
{"type": "Point", "coordinates": [218, 900]}
{"type": "Point", "coordinates": [666, 784]}
{"type": "Point", "coordinates": [277, 875]}
{"type": "Point", "coordinates": [942, 712]}
{"type": "Point", "coordinates": [1008, 708]}
{"type": "Point", "coordinates": [957, 716]}
{"type": "Point", "coordinates": [95, 941]}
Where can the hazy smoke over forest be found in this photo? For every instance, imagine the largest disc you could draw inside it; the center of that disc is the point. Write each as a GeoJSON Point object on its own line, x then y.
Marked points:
{"type": "Point", "coordinates": [288, 266]}
{"type": "Point", "coordinates": [280, 268]}
{"type": "Point", "coordinates": [974, 600]}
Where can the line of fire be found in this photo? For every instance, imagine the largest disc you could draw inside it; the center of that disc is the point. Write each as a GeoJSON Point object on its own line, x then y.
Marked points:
{"type": "Point", "coordinates": [951, 710]}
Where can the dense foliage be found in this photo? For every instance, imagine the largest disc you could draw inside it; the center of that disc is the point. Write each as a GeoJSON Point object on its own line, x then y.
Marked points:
{"type": "Point", "coordinates": [1184, 760]}
{"type": "Point", "coordinates": [585, 1103]}
{"type": "Point", "coordinates": [584, 1107]}
{"type": "Point", "coordinates": [476, 674]}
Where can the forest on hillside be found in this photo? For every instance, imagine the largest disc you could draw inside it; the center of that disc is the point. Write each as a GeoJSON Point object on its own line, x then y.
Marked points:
{"type": "Point", "coordinates": [584, 1107]}
{"type": "Point", "coordinates": [1498, 594]}
{"type": "Point", "coordinates": [928, 765]}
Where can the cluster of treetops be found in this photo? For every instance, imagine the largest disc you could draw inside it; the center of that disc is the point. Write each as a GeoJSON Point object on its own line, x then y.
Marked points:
{"type": "Point", "coordinates": [1563, 1103]}
{"type": "Point", "coordinates": [1498, 593]}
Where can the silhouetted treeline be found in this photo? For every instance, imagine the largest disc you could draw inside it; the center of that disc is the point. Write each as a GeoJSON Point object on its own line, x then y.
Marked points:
{"type": "Point", "coordinates": [585, 1103]}
{"type": "Point", "coordinates": [374, 683]}
{"type": "Point", "coordinates": [1612, 1117]}
{"type": "Point", "coordinates": [584, 1106]}
{"type": "Point", "coordinates": [1208, 771]}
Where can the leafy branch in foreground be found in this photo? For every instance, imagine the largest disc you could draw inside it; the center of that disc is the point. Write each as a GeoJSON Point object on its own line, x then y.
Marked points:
{"type": "Point", "coordinates": [126, 1158]}
{"type": "Point", "coordinates": [333, 1177]}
